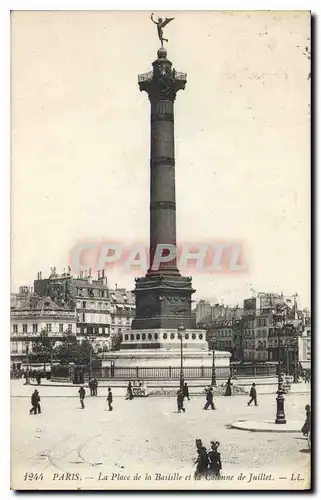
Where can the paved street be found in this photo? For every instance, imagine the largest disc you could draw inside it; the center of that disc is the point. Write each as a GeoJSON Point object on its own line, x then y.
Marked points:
{"type": "Point", "coordinates": [147, 435]}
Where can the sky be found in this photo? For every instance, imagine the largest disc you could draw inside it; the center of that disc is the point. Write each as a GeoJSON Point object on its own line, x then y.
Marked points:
{"type": "Point", "coordinates": [80, 141]}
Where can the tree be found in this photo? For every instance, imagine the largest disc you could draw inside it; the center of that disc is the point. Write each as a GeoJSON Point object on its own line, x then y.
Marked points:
{"type": "Point", "coordinates": [42, 349]}
{"type": "Point", "coordinates": [116, 340]}
{"type": "Point", "coordinates": [71, 350]}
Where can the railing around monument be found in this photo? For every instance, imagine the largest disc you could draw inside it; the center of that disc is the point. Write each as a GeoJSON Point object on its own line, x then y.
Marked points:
{"type": "Point", "coordinates": [171, 373]}
{"type": "Point", "coordinates": [161, 373]}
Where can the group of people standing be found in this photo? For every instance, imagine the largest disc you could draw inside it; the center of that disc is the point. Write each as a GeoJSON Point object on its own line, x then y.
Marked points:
{"type": "Point", "coordinates": [208, 463]}
{"type": "Point", "coordinates": [29, 375]}
{"type": "Point", "coordinates": [93, 386]}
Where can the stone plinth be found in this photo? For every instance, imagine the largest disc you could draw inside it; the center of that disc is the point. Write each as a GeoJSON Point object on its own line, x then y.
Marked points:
{"type": "Point", "coordinates": [165, 338]}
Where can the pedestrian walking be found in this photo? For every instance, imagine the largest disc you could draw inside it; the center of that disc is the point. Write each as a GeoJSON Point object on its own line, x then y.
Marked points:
{"type": "Point", "coordinates": [209, 399]}
{"type": "Point", "coordinates": [214, 458]}
{"type": "Point", "coordinates": [129, 393]}
{"type": "Point", "coordinates": [91, 386]}
{"type": "Point", "coordinates": [307, 424]}
{"type": "Point", "coordinates": [201, 461]}
{"type": "Point", "coordinates": [253, 396]}
{"type": "Point", "coordinates": [35, 403]}
{"type": "Point", "coordinates": [95, 386]}
{"type": "Point", "coordinates": [110, 399]}
{"type": "Point", "coordinates": [228, 390]}
{"type": "Point", "coordinates": [38, 378]}
{"type": "Point", "coordinates": [186, 391]}
{"type": "Point", "coordinates": [180, 400]}
{"type": "Point", "coordinates": [82, 394]}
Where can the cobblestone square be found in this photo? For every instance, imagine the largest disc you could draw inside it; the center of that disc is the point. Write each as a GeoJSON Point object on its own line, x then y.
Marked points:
{"type": "Point", "coordinates": [148, 436]}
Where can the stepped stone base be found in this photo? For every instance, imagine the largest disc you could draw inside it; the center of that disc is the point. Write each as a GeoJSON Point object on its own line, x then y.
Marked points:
{"type": "Point", "coordinates": [161, 348]}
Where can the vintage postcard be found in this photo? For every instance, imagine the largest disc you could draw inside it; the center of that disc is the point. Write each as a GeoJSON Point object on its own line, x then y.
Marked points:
{"type": "Point", "coordinates": [160, 331]}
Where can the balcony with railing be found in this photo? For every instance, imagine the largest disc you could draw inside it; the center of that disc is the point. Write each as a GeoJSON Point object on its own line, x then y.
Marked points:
{"type": "Point", "coordinates": [174, 75]}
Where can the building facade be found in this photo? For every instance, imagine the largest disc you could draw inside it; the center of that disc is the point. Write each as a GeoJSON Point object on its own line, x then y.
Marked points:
{"type": "Point", "coordinates": [101, 312]}
{"type": "Point", "coordinates": [32, 315]}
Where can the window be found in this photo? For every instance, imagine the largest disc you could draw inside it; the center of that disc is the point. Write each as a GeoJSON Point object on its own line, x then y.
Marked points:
{"type": "Point", "coordinates": [193, 336]}
{"type": "Point", "coordinates": [138, 336]}
{"type": "Point", "coordinates": [200, 336]}
{"type": "Point", "coordinates": [132, 337]}
{"type": "Point", "coordinates": [165, 336]}
{"type": "Point", "coordinates": [186, 336]}
{"type": "Point", "coordinates": [143, 336]}
{"type": "Point", "coordinates": [172, 336]}
{"type": "Point", "coordinates": [15, 328]}
{"type": "Point", "coordinates": [69, 328]}
{"type": "Point", "coordinates": [156, 336]}
{"type": "Point", "coordinates": [48, 327]}
{"type": "Point", "coordinates": [84, 305]}
{"type": "Point", "coordinates": [126, 337]}
{"type": "Point", "coordinates": [24, 328]}
{"type": "Point", "coordinates": [14, 347]}
{"type": "Point", "coordinates": [61, 328]}
{"type": "Point", "coordinates": [35, 328]}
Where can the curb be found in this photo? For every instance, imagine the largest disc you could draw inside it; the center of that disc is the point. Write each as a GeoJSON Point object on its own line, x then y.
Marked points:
{"type": "Point", "coordinates": [280, 429]}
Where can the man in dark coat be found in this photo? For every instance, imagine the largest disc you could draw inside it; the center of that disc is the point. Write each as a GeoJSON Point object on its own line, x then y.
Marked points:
{"type": "Point", "coordinates": [214, 457]}
{"type": "Point", "coordinates": [95, 386]}
{"type": "Point", "coordinates": [109, 399]}
{"type": "Point", "coordinates": [35, 402]}
{"type": "Point", "coordinates": [209, 399]}
{"type": "Point", "coordinates": [186, 391]}
{"type": "Point", "coordinates": [253, 396]}
{"type": "Point", "coordinates": [201, 461]}
{"type": "Point", "coordinates": [91, 386]}
{"type": "Point", "coordinates": [82, 394]}
{"type": "Point", "coordinates": [180, 401]}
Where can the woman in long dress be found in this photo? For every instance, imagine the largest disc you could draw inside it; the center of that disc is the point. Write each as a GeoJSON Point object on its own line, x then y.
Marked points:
{"type": "Point", "coordinates": [129, 393]}
{"type": "Point", "coordinates": [228, 390]}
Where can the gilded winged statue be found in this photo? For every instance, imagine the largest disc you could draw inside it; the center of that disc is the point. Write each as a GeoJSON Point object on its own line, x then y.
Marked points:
{"type": "Point", "coordinates": [161, 23]}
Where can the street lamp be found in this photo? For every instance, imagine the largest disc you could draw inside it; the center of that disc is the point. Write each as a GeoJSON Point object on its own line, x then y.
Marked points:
{"type": "Point", "coordinates": [90, 339]}
{"type": "Point", "coordinates": [280, 415]}
{"type": "Point", "coordinates": [288, 344]}
{"type": "Point", "coordinates": [295, 360]}
{"type": "Point", "coordinates": [181, 330]}
{"type": "Point", "coordinates": [213, 363]}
